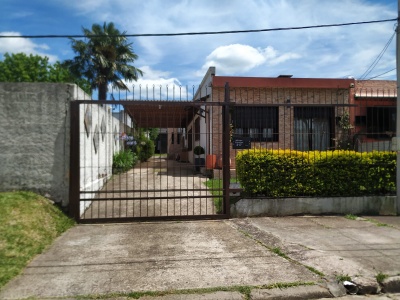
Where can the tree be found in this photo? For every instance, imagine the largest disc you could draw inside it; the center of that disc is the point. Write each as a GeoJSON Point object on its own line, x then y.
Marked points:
{"type": "Point", "coordinates": [22, 68]}
{"type": "Point", "coordinates": [103, 58]}
{"type": "Point", "coordinates": [19, 67]}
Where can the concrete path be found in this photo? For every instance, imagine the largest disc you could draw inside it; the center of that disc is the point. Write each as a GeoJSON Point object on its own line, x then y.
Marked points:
{"type": "Point", "coordinates": [233, 259]}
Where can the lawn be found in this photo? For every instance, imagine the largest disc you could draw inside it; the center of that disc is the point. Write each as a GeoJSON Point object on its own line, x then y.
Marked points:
{"type": "Point", "coordinates": [28, 224]}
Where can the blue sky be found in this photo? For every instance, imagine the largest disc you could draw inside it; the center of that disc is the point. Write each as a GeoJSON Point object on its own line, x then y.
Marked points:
{"type": "Point", "coordinates": [337, 52]}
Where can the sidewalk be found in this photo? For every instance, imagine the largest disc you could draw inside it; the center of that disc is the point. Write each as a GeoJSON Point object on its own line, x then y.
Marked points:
{"type": "Point", "coordinates": [257, 258]}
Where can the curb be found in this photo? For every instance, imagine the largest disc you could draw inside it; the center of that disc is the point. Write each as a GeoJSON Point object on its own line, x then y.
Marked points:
{"type": "Point", "coordinates": [292, 293]}
{"type": "Point", "coordinates": [391, 284]}
{"type": "Point", "coordinates": [365, 286]}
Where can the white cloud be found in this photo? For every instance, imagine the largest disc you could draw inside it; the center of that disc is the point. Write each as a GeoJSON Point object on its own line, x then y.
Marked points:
{"type": "Point", "coordinates": [23, 45]}
{"type": "Point", "coordinates": [156, 85]}
{"type": "Point", "coordinates": [238, 58]}
{"type": "Point", "coordinates": [324, 52]}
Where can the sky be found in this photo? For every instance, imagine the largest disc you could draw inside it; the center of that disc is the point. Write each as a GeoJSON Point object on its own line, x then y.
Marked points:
{"type": "Point", "coordinates": [335, 52]}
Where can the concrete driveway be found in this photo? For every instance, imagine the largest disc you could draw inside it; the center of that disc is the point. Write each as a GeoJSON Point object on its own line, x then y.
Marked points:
{"type": "Point", "coordinates": [153, 181]}
{"type": "Point", "coordinates": [231, 259]}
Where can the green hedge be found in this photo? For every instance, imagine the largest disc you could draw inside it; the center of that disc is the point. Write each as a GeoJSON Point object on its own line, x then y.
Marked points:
{"type": "Point", "coordinates": [288, 173]}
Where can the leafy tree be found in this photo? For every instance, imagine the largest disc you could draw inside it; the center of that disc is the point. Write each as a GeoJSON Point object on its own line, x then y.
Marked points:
{"type": "Point", "coordinates": [19, 67]}
{"type": "Point", "coordinates": [22, 68]}
{"type": "Point", "coordinates": [103, 58]}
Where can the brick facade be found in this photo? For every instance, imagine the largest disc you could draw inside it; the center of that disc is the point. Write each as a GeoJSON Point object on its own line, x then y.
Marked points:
{"type": "Point", "coordinates": [285, 99]}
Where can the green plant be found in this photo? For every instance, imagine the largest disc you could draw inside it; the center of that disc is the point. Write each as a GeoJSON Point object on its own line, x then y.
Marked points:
{"type": "Point", "coordinates": [343, 278]}
{"type": "Point", "coordinates": [216, 189]}
{"type": "Point", "coordinates": [123, 161]}
{"type": "Point", "coordinates": [289, 173]}
{"type": "Point", "coordinates": [315, 271]}
{"type": "Point", "coordinates": [380, 277]}
{"type": "Point", "coordinates": [279, 252]}
{"type": "Point", "coordinates": [28, 224]}
{"type": "Point", "coordinates": [198, 150]}
{"type": "Point", "coordinates": [351, 217]}
{"type": "Point", "coordinates": [145, 149]}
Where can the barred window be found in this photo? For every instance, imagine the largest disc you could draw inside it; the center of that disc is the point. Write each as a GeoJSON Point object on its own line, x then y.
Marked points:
{"type": "Point", "coordinates": [260, 123]}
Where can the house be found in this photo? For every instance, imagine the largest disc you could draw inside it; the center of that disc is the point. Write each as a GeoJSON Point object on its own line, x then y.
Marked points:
{"type": "Point", "coordinates": [293, 113]}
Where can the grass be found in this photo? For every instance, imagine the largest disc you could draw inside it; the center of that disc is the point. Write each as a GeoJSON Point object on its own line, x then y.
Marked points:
{"type": "Point", "coordinates": [351, 217]}
{"type": "Point", "coordinates": [279, 252]}
{"type": "Point", "coordinates": [216, 184]}
{"type": "Point", "coordinates": [380, 277]}
{"type": "Point", "coordinates": [28, 224]}
{"type": "Point", "coordinates": [377, 223]}
{"type": "Point", "coordinates": [315, 271]}
{"type": "Point", "coordinates": [343, 278]}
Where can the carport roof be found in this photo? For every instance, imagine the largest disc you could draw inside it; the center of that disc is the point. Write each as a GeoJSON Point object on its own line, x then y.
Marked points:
{"type": "Point", "coordinates": [161, 114]}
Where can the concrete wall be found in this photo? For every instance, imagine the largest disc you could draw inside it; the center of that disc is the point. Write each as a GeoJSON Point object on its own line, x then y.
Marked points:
{"type": "Point", "coordinates": [99, 141]}
{"type": "Point", "coordinates": [35, 140]}
{"type": "Point", "coordinates": [374, 205]}
{"type": "Point", "coordinates": [34, 135]}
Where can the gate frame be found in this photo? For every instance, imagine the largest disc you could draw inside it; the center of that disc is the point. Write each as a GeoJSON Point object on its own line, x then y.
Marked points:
{"type": "Point", "coordinates": [74, 176]}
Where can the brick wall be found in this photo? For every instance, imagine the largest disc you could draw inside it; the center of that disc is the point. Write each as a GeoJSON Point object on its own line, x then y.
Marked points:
{"type": "Point", "coordinates": [285, 99]}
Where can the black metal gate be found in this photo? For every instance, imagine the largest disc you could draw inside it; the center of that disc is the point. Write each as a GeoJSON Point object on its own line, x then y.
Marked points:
{"type": "Point", "coordinates": [148, 160]}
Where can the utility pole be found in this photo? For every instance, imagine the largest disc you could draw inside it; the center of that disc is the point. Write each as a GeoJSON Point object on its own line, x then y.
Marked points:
{"type": "Point", "coordinates": [398, 110]}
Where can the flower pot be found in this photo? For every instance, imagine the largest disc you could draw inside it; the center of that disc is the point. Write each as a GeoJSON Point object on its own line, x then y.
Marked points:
{"type": "Point", "coordinates": [219, 164]}
{"type": "Point", "coordinates": [211, 161]}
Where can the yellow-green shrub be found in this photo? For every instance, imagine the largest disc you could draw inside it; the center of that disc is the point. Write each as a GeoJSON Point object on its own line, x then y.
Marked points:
{"type": "Point", "coordinates": [288, 173]}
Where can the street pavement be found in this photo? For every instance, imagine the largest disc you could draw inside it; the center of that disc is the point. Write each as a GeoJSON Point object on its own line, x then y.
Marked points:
{"type": "Point", "coordinates": [252, 258]}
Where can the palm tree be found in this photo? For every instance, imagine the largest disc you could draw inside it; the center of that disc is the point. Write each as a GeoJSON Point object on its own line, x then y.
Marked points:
{"type": "Point", "coordinates": [103, 58]}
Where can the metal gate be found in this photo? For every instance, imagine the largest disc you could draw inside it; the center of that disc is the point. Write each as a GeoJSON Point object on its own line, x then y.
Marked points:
{"type": "Point", "coordinates": [148, 160]}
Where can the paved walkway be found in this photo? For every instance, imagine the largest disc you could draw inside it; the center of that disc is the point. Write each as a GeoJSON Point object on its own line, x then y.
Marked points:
{"type": "Point", "coordinates": [230, 259]}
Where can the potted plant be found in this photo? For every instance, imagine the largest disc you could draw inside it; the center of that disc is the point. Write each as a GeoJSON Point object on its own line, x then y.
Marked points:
{"type": "Point", "coordinates": [199, 161]}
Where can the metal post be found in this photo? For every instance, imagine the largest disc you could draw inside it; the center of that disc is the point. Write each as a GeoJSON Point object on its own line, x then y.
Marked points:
{"type": "Point", "coordinates": [74, 172]}
{"type": "Point", "coordinates": [398, 110]}
{"type": "Point", "coordinates": [226, 172]}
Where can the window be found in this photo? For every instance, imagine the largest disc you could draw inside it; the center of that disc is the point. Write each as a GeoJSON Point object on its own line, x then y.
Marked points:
{"type": "Point", "coordinates": [260, 123]}
{"type": "Point", "coordinates": [172, 138]}
{"type": "Point", "coordinates": [312, 128]}
{"type": "Point", "coordinates": [361, 120]}
{"type": "Point", "coordinates": [381, 121]}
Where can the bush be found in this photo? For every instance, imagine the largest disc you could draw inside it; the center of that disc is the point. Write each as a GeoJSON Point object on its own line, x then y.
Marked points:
{"type": "Point", "coordinates": [123, 161]}
{"type": "Point", "coordinates": [145, 149]}
{"type": "Point", "coordinates": [287, 173]}
{"type": "Point", "coordinates": [198, 150]}
{"type": "Point", "coordinates": [274, 173]}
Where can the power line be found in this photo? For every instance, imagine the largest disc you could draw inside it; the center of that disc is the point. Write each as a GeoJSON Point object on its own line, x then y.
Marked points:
{"type": "Point", "coordinates": [373, 65]}
{"type": "Point", "coordinates": [381, 74]}
{"type": "Point", "coordinates": [200, 33]}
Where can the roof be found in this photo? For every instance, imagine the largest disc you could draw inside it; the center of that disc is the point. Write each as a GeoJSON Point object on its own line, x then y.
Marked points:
{"type": "Point", "coordinates": [161, 114]}
{"type": "Point", "coordinates": [376, 88]}
{"type": "Point", "coordinates": [281, 82]}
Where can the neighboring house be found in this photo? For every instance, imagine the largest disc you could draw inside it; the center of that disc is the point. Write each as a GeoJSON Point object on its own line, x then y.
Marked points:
{"type": "Point", "coordinates": [126, 122]}
{"type": "Point", "coordinates": [374, 114]}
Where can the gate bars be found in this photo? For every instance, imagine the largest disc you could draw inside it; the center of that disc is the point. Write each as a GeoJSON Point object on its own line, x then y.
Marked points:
{"type": "Point", "coordinates": [171, 184]}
